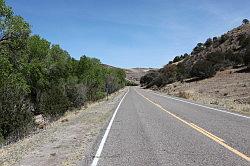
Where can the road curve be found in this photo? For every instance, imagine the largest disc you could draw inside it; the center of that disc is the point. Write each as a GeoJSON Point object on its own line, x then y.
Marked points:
{"type": "Point", "coordinates": [149, 129]}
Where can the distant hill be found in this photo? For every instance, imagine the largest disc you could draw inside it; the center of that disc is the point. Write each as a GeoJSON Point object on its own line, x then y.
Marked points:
{"type": "Point", "coordinates": [134, 74]}
{"type": "Point", "coordinates": [230, 50]}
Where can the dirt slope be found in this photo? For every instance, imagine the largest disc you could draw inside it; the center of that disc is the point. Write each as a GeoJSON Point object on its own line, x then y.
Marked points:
{"type": "Point", "coordinates": [229, 89]}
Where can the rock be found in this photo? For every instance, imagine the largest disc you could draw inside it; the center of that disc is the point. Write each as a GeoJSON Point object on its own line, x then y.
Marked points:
{"type": "Point", "coordinates": [53, 154]}
{"type": "Point", "coordinates": [40, 121]}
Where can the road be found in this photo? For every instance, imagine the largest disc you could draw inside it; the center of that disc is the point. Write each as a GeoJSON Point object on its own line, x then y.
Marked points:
{"type": "Point", "coordinates": [152, 129]}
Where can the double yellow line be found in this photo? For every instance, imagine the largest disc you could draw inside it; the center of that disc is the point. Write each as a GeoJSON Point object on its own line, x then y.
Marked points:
{"type": "Point", "coordinates": [200, 130]}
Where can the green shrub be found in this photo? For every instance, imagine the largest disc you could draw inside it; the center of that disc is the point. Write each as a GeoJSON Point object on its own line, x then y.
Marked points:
{"type": "Point", "coordinates": [176, 59]}
{"type": "Point", "coordinates": [203, 69]}
{"type": "Point", "coordinates": [223, 38]}
{"type": "Point", "coordinates": [246, 57]}
{"type": "Point", "coordinates": [53, 102]}
{"type": "Point", "coordinates": [209, 42]}
{"type": "Point", "coordinates": [131, 83]}
{"type": "Point", "coordinates": [77, 94]}
{"type": "Point", "coordinates": [237, 59]}
{"type": "Point", "coordinates": [245, 21]}
{"type": "Point", "coordinates": [15, 111]}
{"type": "Point", "coordinates": [181, 72]}
{"type": "Point", "coordinates": [199, 47]}
{"type": "Point", "coordinates": [216, 57]}
{"type": "Point", "coordinates": [1, 137]}
{"type": "Point", "coordinates": [99, 95]}
{"type": "Point", "coordinates": [158, 81]}
{"type": "Point", "coordinates": [146, 79]}
{"type": "Point", "coordinates": [215, 39]}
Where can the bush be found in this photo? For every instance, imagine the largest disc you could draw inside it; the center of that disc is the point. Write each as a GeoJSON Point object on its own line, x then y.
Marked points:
{"type": "Point", "coordinates": [15, 111]}
{"type": "Point", "coordinates": [176, 59]}
{"type": "Point", "coordinates": [131, 83]}
{"type": "Point", "coordinates": [181, 73]}
{"type": "Point", "coordinates": [215, 39]}
{"type": "Point", "coordinates": [223, 38]}
{"type": "Point", "coordinates": [237, 59]}
{"type": "Point", "coordinates": [158, 81]}
{"type": "Point", "coordinates": [185, 55]}
{"type": "Point", "coordinates": [1, 137]}
{"type": "Point", "coordinates": [208, 43]}
{"type": "Point", "coordinates": [149, 77]}
{"type": "Point", "coordinates": [216, 57]}
{"type": "Point", "coordinates": [245, 21]}
{"type": "Point", "coordinates": [77, 94]}
{"type": "Point", "coordinates": [203, 69]}
{"type": "Point", "coordinates": [198, 48]}
{"type": "Point", "coordinates": [53, 103]}
{"type": "Point", "coordinates": [246, 57]}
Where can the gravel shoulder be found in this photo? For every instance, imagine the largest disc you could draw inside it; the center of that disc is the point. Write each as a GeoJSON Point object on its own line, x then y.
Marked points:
{"type": "Point", "coordinates": [228, 89]}
{"type": "Point", "coordinates": [67, 141]}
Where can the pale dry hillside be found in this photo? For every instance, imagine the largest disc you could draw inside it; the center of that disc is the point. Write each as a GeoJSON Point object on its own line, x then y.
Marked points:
{"type": "Point", "coordinates": [134, 74]}
{"type": "Point", "coordinates": [229, 89]}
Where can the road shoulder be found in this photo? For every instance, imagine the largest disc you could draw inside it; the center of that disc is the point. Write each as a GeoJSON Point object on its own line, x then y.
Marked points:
{"type": "Point", "coordinates": [64, 142]}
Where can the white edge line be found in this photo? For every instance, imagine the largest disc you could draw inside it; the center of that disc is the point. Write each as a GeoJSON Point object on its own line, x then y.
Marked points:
{"type": "Point", "coordinates": [99, 151]}
{"type": "Point", "coordinates": [173, 98]}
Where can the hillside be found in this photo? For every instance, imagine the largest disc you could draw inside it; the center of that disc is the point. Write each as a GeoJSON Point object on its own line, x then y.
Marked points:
{"type": "Point", "coordinates": [228, 89]}
{"type": "Point", "coordinates": [215, 72]}
{"type": "Point", "coordinates": [134, 74]}
{"type": "Point", "coordinates": [232, 49]}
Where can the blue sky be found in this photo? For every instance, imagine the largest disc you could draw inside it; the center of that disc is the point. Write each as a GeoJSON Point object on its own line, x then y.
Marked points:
{"type": "Point", "coordinates": [130, 33]}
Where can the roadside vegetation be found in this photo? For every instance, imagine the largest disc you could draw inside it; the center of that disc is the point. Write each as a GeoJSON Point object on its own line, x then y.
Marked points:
{"type": "Point", "coordinates": [37, 77]}
{"type": "Point", "coordinates": [230, 50]}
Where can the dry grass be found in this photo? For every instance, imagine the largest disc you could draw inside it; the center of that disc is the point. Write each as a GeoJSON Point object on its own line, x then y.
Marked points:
{"type": "Point", "coordinates": [66, 141]}
{"type": "Point", "coordinates": [184, 94]}
{"type": "Point", "coordinates": [229, 89]}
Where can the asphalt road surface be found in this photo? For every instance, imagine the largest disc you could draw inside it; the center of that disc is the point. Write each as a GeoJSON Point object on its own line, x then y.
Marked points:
{"type": "Point", "coordinates": [152, 129]}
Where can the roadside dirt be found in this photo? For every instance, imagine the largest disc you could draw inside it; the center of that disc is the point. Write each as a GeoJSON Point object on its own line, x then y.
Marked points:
{"type": "Point", "coordinates": [68, 141]}
{"type": "Point", "coordinates": [229, 89]}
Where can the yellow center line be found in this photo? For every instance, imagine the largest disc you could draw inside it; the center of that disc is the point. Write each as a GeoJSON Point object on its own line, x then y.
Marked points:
{"type": "Point", "coordinates": [210, 134]}
{"type": "Point", "coordinates": [200, 130]}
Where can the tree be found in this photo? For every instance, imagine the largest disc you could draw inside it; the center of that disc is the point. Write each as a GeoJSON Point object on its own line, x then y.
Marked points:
{"type": "Point", "coordinates": [245, 21]}
{"type": "Point", "coordinates": [215, 39]}
{"type": "Point", "coordinates": [11, 27]}
{"type": "Point", "coordinates": [203, 69]}
{"type": "Point", "coordinates": [198, 48]}
{"type": "Point", "coordinates": [208, 42]}
{"type": "Point", "coordinates": [185, 55]}
{"type": "Point", "coordinates": [176, 59]}
{"type": "Point", "coordinates": [39, 78]}
{"type": "Point", "coordinates": [15, 109]}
